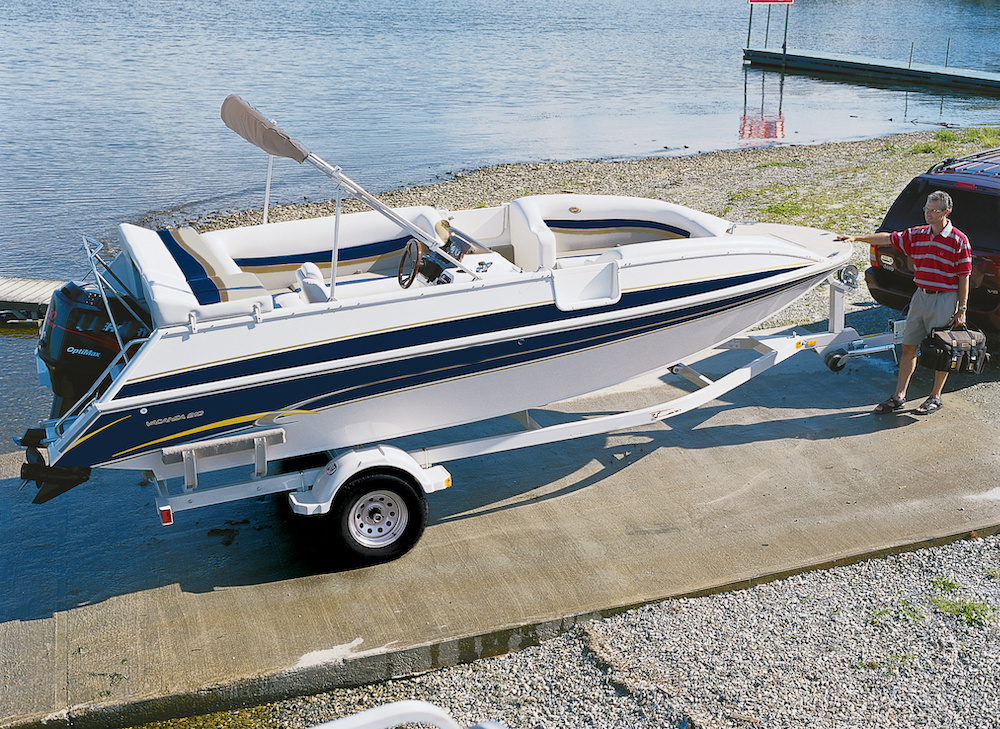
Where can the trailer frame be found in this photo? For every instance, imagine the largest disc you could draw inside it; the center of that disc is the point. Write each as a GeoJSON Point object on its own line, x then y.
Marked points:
{"type": "Point", "coordinates": [314, 490]}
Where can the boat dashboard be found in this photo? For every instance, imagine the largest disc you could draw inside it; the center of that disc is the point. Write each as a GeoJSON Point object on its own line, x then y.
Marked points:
{"type": "Point", "coordinates": [419, 262]}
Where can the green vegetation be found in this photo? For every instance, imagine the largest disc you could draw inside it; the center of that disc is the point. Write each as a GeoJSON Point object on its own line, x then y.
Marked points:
{"type": "Point", "coordinates": [934, 148]}
{"type": "Point", "coordinates": [909, 613]}
{"type": "Point", "coordinates": [948, 601]}
{"type": "Point", "coordinates": [944, 584]}
{"type": "Point", "coordinates": [890, 664]}
{"type": "Point", "coordinates": [785, 209]}
{"type": "Point", "coordinates": [946, 135]}
{"type": "Point", "coordinates": [971, 612]}
{"type": "Point", "coordinates": [984, 136]}
{"type": "Point", "coordinates": [948, 142]}
{"type": "Point", "coordinates": [796, 163]}
{"type": "Point", "coordinates": [877, 615]}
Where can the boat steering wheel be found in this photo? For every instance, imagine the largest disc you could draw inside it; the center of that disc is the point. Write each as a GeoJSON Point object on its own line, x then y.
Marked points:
{"type": "Point", "coordinates": [413, 251]}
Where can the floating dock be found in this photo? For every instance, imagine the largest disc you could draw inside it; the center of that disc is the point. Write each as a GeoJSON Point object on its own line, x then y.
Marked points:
{"type": "Point", "coordinates": [874, 69]}
{"type": "Point", "coordinates": [25, 298]}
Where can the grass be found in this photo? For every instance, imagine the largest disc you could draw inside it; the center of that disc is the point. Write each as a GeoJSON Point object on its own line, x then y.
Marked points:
{"type": "Point", "coordinates": [909, 613]}
{"type": "Point", "coordinates": [785, 209]}
{"type": "Point", "coordinates": [948, 601]}
{"type": "Point", "coordinates": [950, 142]}
{"type": "Point", "coordinates": [935, 148]}
{"type": "Point", "coordinates": [877, 615]}
{"type": "Point", "coordinates": [944, 584]}
{"type": "Point", "coordinates": [985, 136]}
{"type": "Point", "coordinates": [796, 163]}
{"type": "Point", "coordinates": [971, 612]}
{"type": "Point", "coordinates": [890, 664]}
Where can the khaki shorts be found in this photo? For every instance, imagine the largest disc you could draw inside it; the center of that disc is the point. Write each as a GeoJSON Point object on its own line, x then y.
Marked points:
{"type": "Point", "coordinates": [928, 311]}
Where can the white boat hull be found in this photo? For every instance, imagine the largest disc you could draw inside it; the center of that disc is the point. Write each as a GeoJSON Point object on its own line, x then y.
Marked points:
{"type": "Point", "coordinates": [605, 304]}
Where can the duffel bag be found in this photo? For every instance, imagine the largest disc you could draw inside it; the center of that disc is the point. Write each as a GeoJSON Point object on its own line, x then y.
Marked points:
{"type": "Point", "coordinates": [954, 350]}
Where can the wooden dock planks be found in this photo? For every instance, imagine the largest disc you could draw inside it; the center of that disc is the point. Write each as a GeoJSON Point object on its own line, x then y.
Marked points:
{"type": "Point", "coordinates": [874, 69]}
{"type": "Point", "coordinates": [25, 298]}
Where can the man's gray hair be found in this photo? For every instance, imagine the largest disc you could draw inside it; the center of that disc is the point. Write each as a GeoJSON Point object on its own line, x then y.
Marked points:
{"type": "Point", "coordinates": [943, 198]}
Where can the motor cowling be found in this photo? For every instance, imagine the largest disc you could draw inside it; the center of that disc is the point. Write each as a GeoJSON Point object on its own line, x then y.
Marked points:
{"type": "Point", "coordinates": [77, 341]}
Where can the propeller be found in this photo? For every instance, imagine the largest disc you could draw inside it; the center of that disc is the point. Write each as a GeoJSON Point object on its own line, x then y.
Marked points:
{"type": "Point", "coordinates": [51, 481]}
{"type": "Point", "coordinates": [33, 458]}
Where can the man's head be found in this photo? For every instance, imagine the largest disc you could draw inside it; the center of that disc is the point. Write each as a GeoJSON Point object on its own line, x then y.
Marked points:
{"type": "Point", "coordinates": [937, 208]}
{"type": "Point", "coordinates": [939, 200]}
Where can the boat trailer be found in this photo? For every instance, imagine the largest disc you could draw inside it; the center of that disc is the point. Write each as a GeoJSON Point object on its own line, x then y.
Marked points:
{"type": "Point", "coordinates": [374, 495]}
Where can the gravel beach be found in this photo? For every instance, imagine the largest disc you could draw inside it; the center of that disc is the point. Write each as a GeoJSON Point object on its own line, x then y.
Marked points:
{"type": "Point", "coordinates": [874, 644]}
{"type": "Point", "coordinates": [910, 640]}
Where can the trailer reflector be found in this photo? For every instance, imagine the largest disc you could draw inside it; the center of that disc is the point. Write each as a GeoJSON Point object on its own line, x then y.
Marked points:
{"type": "Point", "coordinates": [166, 515]}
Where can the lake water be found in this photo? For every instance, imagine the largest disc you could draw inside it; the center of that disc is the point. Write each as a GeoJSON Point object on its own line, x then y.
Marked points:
{"type": "Point", "coordinates": [109, 111]}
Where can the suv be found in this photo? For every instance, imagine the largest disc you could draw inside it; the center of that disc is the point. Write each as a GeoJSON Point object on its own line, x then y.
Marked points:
{"type": "Point", "coordinates": [974, 184]}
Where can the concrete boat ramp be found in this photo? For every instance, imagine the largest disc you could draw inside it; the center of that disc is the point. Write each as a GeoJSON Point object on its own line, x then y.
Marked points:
{"type": "Point", "coordinates": [108, 619]}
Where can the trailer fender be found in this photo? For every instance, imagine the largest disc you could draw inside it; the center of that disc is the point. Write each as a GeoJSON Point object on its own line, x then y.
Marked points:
{"type": "Point", "coordinates": [346, 466]}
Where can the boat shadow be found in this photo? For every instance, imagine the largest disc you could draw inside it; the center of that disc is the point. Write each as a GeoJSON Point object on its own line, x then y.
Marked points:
{"type": "Point", "coordinates": [818, 405]}
{"type": "Point", "coordinates": [102, 539]}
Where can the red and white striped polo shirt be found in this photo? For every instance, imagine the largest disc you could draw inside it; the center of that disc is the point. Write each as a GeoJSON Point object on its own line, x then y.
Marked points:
{"type": "Point", "coordinates": [938, 260]}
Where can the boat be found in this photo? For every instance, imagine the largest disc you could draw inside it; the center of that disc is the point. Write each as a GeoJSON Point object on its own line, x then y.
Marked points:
{"type": "Point", "coordinates": [314, 335]}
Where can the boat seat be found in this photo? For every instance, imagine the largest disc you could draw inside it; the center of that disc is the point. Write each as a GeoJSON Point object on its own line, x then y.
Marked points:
{"type": "Point", "coordinates": [546, 228]}
{"type": "Point", "coordinates": [311, 283]}
{"type": "Point", "coordinates": [533, 242]}
{"type": "Point", "coordinates": [313, 289]}
{"type": "Point", "coordinates": [369, 243]}
{"type": "Point", "coordinates": [212, 274]}
{"type": "Point", "coordinates": [183, 276]}
{"type": "Point", "coordinates": [287, 299]}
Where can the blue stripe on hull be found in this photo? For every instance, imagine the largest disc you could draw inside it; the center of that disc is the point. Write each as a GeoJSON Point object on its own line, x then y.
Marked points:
{"type": "Point", "coordinates": [424, 334]}
{"type": "Point", "coordinates": [124, 434]}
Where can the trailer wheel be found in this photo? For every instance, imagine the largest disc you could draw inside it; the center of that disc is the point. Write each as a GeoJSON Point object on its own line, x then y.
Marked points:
{"type": "Point", "coordinates": [379, 516]}
{"type": "Point", "coordinates": [837, 360]}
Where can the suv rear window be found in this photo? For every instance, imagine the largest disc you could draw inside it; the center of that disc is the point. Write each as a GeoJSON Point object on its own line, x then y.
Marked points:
{"type": "Point", "coordinates": [976, 213]}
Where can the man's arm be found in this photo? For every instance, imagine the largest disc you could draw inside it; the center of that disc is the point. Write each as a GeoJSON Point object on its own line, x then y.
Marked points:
{"type": "Point", "coordinates": [872, 238]}
{"type": "Point", "coordinates": [963, 301]}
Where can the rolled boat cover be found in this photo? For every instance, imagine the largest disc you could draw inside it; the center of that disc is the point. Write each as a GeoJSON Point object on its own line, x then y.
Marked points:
{"type": "Point", "coordinates": [257, 129]}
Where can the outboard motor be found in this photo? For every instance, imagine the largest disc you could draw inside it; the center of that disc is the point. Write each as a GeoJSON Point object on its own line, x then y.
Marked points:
{"type": "Point", "coordinates": [77, 341]}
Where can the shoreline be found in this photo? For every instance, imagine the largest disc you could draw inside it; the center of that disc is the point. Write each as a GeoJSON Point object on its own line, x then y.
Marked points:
{"type": "Point", "coordinates": [845, 187]}
{"type": "Point", "coordinates": [754, 183]}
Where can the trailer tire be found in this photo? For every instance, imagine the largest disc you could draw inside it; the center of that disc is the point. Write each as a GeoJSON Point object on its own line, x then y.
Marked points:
{"type": "Point", "coordinates": [378, 516]}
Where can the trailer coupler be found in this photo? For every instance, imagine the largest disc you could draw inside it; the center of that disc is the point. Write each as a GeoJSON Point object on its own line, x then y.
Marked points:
{"type": "Point", "coordinates": [837, 358]}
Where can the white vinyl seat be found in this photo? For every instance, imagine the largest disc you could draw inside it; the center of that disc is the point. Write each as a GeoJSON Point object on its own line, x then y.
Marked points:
{"type": "Point", "coordinates": [314, 288]}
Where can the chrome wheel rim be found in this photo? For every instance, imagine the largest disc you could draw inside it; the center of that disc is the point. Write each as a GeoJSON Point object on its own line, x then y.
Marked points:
{"type": "Point", "coordinates": [378, 518]}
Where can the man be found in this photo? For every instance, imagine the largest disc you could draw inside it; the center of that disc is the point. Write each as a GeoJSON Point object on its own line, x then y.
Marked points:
{"type": "Point", "coordinates": [942, 262]}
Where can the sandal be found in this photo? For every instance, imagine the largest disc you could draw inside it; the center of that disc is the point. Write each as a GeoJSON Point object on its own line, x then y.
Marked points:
{"type": "Point", "coordinates": [889, 406]}
{"type": "Point", "coordinates": [930, 405]}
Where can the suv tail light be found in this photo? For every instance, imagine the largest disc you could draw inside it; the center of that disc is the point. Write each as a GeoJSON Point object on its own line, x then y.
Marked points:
{"type": "Point", "coordinates": [873, 256]}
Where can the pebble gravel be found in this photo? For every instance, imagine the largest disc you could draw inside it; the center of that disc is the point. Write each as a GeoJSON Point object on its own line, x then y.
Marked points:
{"type": "Point", "coordinates": [910, 640]}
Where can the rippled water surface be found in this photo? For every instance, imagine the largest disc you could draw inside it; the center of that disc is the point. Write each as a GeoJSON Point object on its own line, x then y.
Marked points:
{"type": "Point", "coordinates": [109, 111]}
